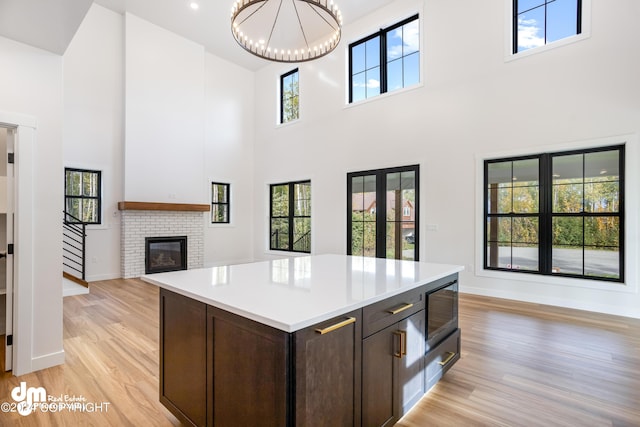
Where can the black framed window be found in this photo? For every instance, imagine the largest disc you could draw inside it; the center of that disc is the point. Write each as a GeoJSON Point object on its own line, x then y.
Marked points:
{"type": "Point", "coordinates": [383, 213]}
{"type": "Point", "coordinates": [556, 214]}
{"type": "Point", "coordinates": [539, 22]}
{"type": "Point", "coordinates": [82, 195]}
{"type": "Point", "coordinates": [220, 204]}
{"type": "Point", "coordinates": [289, 96]}
{"type": "Point", "coordinates": [290, 216]}
{"type": "Point", "coordinates": [385, 61]}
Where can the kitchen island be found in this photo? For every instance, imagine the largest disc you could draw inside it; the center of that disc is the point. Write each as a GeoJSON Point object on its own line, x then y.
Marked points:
{"type": "Point", "coordinates": [316, 340]}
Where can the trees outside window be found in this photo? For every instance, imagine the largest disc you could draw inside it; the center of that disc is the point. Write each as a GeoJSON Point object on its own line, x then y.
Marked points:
{"type": "Point", "coordinates": [82, 195]}
{"type": "Point", "coordinates": [290, 217]}
{"type": "Point", "coordinates": [557, 214]}
{"type": "Point", "coordinates": [220, 205]}
{"type": "Point", "coordinates": [382, 213]}
{"type": "Point", "coordinates": [289, 96]}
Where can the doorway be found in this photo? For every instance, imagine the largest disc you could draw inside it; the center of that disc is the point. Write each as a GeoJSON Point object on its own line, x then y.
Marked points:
{"type": "Point", "coordinates": [383, 213]}
{"type": "Point", "coordinates": [6, 244]}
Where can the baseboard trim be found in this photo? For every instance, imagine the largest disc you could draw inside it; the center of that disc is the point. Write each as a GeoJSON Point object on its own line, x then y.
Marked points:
{"type": "Point", "coordinates": [554, 301]}
{"type": "Point", "coordinates": [47, 361]}
{"type": "Point", "coordinates": [100, 277]}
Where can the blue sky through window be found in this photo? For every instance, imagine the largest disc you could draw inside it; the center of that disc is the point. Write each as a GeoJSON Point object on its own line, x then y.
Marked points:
{"type": "Point", "coordinates": [401, 57]}
{"type": "Point", "coordinates": [544, 21]}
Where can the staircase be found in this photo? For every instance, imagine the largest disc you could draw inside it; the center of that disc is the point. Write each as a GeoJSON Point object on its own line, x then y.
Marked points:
{"type": "Point", "coordinates": [73, 249]}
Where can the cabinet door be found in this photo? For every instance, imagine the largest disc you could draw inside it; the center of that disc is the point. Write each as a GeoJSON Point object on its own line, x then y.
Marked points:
{"type": "Point", "coordinates": [392, 371]}
{"type": "Point", "coordinates": [183, 346]}
{"type": "Point", "coordinates": [378, 378]}
{"type": "Point", "coordinates": [328, 373]}
{"type": "Point", "coordinates": [410, 367]}
{"type": "Point", "coordinates": [249, 372]}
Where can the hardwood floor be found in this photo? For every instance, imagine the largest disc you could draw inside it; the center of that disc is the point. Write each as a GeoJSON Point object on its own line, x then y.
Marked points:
{"type": "Point", "coordinates": [522, 365]}
{"type": "Point", "coordinates": [111, 346]}
{"type": "Point", "coordinates": [532, 365]}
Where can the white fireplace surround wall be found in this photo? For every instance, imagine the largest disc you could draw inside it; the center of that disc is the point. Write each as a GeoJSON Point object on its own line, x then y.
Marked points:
{"type": "Point", "coordinates": [139, 224]}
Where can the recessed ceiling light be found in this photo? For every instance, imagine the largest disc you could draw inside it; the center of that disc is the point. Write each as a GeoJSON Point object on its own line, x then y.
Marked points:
{"type": "Point", "coordinates": [194, 5]}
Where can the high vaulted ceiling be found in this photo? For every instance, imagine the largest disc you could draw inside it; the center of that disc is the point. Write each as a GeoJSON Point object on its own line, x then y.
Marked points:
{"type": "Point", "coordinates": [51, 24]}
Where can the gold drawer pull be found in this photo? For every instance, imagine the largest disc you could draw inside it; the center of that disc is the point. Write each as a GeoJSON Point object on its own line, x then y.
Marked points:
{"type": "Point", "coordinates": [339, 325]}
{"type": "Point", "coordinates": [400, 309]}
{"type": "Point", "coordinates": [448, 359]}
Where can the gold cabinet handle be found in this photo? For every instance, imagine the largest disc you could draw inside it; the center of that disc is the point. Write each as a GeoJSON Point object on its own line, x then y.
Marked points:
{"type": "Point", "coordinates": [338, 325]}
{"type": "Point", "coordinates": [448, 359]}
{"type": "Point", "coordinates": [403, 344]}
{"type": "Point", "coordinates": [400, 309]}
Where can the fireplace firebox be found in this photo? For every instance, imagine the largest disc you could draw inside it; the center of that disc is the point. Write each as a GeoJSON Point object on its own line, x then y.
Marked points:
{"type": "Point", "coordinates": [165, 254]}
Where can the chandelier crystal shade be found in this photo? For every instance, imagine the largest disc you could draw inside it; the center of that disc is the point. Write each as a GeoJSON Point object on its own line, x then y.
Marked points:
{"type": "Point", "coordinates": [286, 30]}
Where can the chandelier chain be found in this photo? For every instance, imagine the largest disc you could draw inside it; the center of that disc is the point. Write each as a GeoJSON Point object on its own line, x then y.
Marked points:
{"type": "Point", "coordinates": [300, 22]}
{"type": "Point", "coordinates": [274, 21]}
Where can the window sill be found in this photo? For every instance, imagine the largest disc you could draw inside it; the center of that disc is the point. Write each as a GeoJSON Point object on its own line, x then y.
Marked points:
{"type": "Point", "coordinates": [286, 253]}
{"type": "Point", "coordinates": [555, 280]}
{"type": "Point", "coordinates": [98, 227]}
{"type": "Point", "coordinates": [221, 225]}
{"type": "Point", "coordinates": [509, 56]}
{"type": "Point", "coordinates": [289, 123]}
{"type": "Point", "coordinates": [384, 95]}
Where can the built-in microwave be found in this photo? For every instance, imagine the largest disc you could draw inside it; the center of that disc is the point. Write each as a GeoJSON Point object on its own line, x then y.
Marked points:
{"type": "Point", "coordinates": [442, 313]}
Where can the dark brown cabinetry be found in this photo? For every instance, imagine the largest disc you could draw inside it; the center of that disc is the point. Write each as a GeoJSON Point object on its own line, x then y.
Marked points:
{"type": "Point", "coordinates": [392, 357]}
{"type": "Point", "coordinates": [441, 358]}
{"type": "Point", "coordinates": [248, 368]}
{"type": "Point", "coordinates": [365, 368]}
{"type": "Point", "coordinates": [392, 366]}
{"type": "Point", "coordinates": [183, 353]}
{"type": "Point", "coordinates": [220, 369]}
{"type": "Point", "coordinates": [328, 373]}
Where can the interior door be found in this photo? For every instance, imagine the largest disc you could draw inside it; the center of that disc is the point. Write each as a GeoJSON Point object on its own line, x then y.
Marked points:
{"type": "Point", "coordinates": [6, 235]}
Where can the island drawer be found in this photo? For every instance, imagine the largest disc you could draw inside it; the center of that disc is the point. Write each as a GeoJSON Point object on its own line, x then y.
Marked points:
{"type": "Point", "coordinates": [441, 358]}
{"type": "Point", "coordinates": [379, 315]}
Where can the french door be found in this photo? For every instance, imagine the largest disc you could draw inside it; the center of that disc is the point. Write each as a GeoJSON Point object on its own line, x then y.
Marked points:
{"type": "Point", "coordinates": [382, 213]}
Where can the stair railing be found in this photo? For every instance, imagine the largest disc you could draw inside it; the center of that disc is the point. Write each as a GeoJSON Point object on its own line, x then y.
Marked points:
{"type": "Point", "coordinates": [74, 245]}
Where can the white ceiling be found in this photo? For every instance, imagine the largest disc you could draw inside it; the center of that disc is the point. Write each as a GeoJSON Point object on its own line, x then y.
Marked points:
{"type": "Point", "coordinates": [51, 24]}
{"type": "Point", "coordinates": [47, 24]}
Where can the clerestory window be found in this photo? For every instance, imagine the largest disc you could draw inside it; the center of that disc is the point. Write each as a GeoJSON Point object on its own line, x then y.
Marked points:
{"type": "Point", "coordinates": [289, 96]}
{"type": "Point", "coordinates": [385, 61]}
{"type": "Point", "coordinates": [539, 22]}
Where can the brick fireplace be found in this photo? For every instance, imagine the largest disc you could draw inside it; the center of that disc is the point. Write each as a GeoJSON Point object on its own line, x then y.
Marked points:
{"type": "Point", "coordinates": [141, 220]}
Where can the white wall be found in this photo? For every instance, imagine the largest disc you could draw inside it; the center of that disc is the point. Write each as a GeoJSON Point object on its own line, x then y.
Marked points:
{"type": "Point", "coordinates": [164, 110]}
{"type": "Point", "coordinates": [229, 119]}
{"type": "Point", "coordinates": [31, 85]}
{"type": "Point", "coordinates": [188, 122]}
{"type": "Point", "coordinates": [472, 103]}
{"type": "Point", "coordinates": [94, 127]}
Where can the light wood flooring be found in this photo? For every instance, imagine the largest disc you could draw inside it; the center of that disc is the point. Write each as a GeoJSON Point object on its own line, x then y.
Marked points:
{"type": "Point", "coordinates": [522, 365]}
{"type": "Point", "coordinates": [533, 365]}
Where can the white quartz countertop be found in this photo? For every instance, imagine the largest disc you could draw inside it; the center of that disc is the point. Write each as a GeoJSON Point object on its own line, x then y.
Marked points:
{"type": "Point", "coordinates": [293, 293]}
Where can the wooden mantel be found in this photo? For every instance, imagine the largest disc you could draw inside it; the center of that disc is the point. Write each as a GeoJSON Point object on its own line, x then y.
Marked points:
{"type": "Point", "coordinates": [156, 206]}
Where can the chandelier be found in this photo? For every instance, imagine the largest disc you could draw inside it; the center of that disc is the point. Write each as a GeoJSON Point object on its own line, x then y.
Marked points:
{"type": "Point", "coordinates": [286, 30]}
